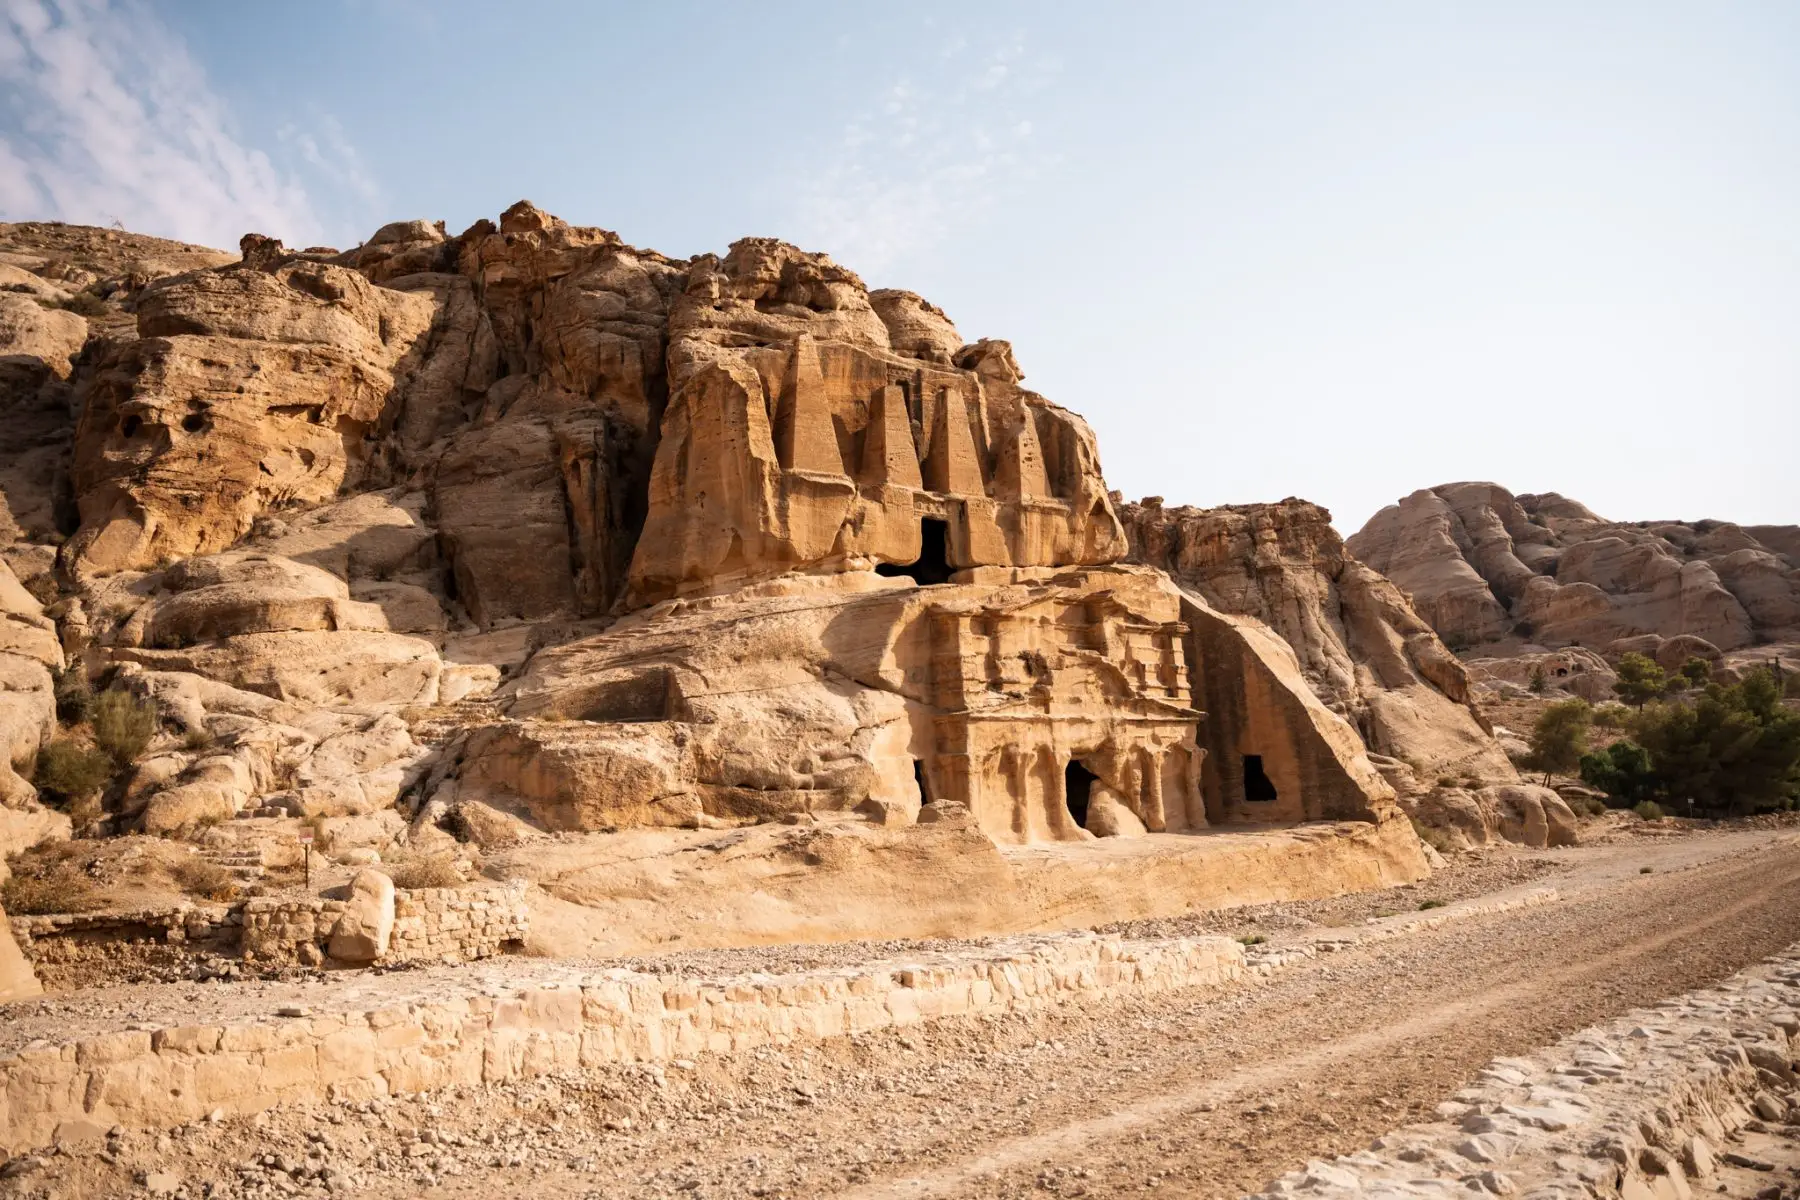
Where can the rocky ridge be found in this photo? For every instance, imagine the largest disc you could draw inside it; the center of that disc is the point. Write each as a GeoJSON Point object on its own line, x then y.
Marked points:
{"type": "Point", "coordinates": [1491, 570]}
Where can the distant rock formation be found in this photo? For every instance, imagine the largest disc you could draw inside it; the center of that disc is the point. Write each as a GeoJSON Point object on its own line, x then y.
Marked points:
{"type": "Point", "coordinates": [1491, 569]}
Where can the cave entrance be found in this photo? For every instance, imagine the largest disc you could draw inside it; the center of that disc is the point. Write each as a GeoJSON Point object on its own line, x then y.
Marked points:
{"type": "Point", "coordinates": [919, 782]}
{"type": "Point", "coordinates": [1078, 786]}
{"type": "Point", "coordinates": [933, 564]}
{"type": "Point", "coordinates": [1257, 784]}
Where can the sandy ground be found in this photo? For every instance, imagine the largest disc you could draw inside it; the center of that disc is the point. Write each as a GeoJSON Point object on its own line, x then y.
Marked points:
{"type": "Point", "coordinates": [1202, 1093]}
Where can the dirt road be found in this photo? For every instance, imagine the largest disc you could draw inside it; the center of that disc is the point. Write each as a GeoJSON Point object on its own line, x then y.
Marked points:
{"type": "Point", "coordinates": [1197, 1094]}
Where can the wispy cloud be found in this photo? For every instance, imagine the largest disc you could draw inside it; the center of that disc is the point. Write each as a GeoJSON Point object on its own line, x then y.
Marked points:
{"type": "Point", "coordinates": [105, 116]}
{"type": "Point", "coordinates": [926, 155]}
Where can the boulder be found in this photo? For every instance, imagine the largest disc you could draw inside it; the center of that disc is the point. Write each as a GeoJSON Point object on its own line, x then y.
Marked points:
{"type": "Point", "coordinates": [364, 928]}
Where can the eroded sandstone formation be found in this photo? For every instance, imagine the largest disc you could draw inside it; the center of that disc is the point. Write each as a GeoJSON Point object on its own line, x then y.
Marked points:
{"type": "Point", "coordinates": [1363, 649]}
{"type": "Point", "coordinates": [526, 531]}
{"type": "Point", "coordinates": [1487, 567]}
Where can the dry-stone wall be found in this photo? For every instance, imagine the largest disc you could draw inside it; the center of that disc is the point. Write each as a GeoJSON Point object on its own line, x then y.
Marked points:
{"type": "Point", "coordinates": [430, 924]}
{"type": "Point", "coordinates": [148, 1076]}
{"type": "Point", "coordinates": [1640, 1107]}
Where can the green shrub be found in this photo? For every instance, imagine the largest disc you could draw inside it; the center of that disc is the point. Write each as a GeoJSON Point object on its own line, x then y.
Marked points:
{"type": "Point", "coordinates": [69, 770]}
{"type": "Point", "coordinates": [1538, 682]}
{"type": "Point", "coordinates": [1623, 771]}
{"type": "Point", "coordinates": [123, 724]}
{"type": "Point", "coordinates": [1427, 904]}
{"type": "Point", "coordinates": [74, 696]}
{"type": "Point", "coordinates": [1649, 810]}
{"type": "Point", "coordinates": [1252, 939]}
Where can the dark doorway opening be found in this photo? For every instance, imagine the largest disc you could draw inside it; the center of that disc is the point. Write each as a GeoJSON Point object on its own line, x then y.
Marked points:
{"type": "Point", "coordinates": [933, 564]}
{"type": "Point", "coordinates": [1078, 785]}
{"type": "Point", "coordinates": [919, 779]}
{"type": "Point", "coordinates": [1257, 784]}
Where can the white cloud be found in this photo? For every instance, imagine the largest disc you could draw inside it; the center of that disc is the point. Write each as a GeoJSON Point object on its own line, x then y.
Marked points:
{"type": "Point", "coordinates": [111, 119]}
{"type": "Point", "coordinates": [923, 157]}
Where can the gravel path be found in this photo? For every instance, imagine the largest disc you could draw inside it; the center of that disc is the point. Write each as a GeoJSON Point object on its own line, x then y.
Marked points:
{"type": "Point", "coordinates": [1195, 1094]}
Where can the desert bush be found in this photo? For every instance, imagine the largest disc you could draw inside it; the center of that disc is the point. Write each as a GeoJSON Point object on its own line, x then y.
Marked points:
{"type": "Point", "coordinates": [198, 877]}
{"type": "Point", "coordinates": [68, 770]}
{"type": "Point", "coordinates": [1649, 810]}
{"type": "Point", "coordinates": [433, 871]}
{"type": "Point", "coordinates": [197, 738]}
{"type": "Point", "coordinates": [48, 887]}
{"type": "Point", "coordinates": [84, 304]}
{"type": "Point", "coordinates": [1445, 781]}
{"type": "Point", "coordinates": [1429, 904]}
{"type": "Point", "coordinates": [1587, 806]}
{"type": "Point", "coordinates": [1252, 939]}
{"type": "Point", "coordinates": [123, 724]}
{"type": "Point", "coordinates": [1538, 683]}
{"type": "Point", "coordinates": [1790, 685]}
{"type": "Point", "coordinates": [74, 696]}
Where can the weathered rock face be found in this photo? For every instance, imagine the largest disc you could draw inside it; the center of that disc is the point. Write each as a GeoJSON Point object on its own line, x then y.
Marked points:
{"type": "Point", "coordinates": [856, 692]}
{"type": "Point", "coordinates": [1356, 640]}
{"type": "Point", "coordinates": [713, 541]}
{"type": "Point", "coordinates": [1486, 566]}
{"type": "Point", "coordinates": [799, 434]}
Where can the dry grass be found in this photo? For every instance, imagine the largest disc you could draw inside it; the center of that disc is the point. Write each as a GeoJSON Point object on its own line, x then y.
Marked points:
{"type": "Point", "coordinates": [49, 880]}
{"type": "Point", "coordinates": [208, 880]}
{"type": "Point", "coordinates": [434, 871]}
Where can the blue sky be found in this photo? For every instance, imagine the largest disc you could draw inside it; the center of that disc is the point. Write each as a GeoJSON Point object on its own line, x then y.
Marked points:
{"type": "Point", "coordinates": [1271, 249]}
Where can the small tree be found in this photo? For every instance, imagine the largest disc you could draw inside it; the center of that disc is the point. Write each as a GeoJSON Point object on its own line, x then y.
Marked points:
{"type": "Point", "coordinates": [1640, 680]}
{"type": "Point", "coordinates": [1559, 738]}
{"type": "Point", "coordinates": [1538, 682]}
{"type": "Point", "coordinates": [1696, 672]}
{"type": "Point", "coordinates": [1612, 716]}
{"type": "Point", "coordinates": [1735, 748]}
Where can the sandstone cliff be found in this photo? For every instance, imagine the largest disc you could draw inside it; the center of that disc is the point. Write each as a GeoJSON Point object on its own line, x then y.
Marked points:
{"type": "Point", "coordinates": [526, 530]}
{"type": "Point", "coordinates": [1361, 646]}
{"type": "Point", "coordinates": [1488, 568]}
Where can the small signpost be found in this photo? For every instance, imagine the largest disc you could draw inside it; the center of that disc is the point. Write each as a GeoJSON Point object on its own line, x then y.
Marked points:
{"type": "Point", "coordinates": [306, 837]}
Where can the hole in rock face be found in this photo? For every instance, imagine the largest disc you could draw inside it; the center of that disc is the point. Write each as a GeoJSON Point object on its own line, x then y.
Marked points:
{"type": "Point", "coordinates": [919, 780]}
{"type": "Point", "coordinates": [933, 564]}
{"type": "Point", "coordinates": [194, 422]}
{"type": "Point", "coordinates": [1078, 786]}
{"type": "Point", "coordinates": [130, 425]}
{"type": "Point", "coordinates": [1257, 784]}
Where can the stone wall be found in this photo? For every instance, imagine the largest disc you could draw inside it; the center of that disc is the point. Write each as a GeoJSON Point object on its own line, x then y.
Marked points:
{"type": "Point", "coordinates": [430, 925]}
{"type": "Point", "coordinates": [165, 1076]}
